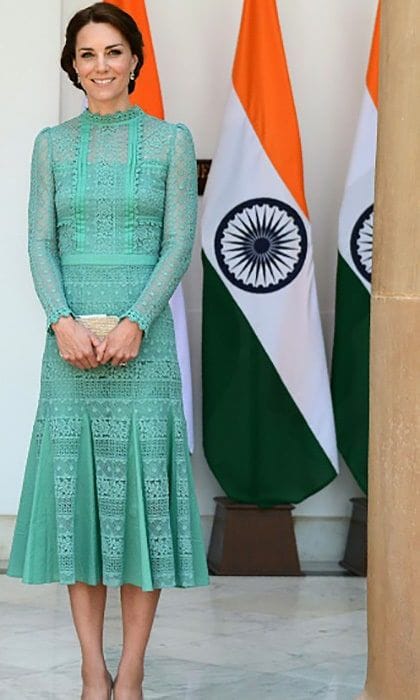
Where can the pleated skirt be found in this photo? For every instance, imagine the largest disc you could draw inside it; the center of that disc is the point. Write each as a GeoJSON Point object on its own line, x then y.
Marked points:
{"type": "Point", "coordinates": [108, 494]}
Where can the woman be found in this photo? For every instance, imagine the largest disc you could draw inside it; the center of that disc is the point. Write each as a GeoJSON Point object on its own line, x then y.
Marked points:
{"type": "Point", "coordinates": [108, 497]}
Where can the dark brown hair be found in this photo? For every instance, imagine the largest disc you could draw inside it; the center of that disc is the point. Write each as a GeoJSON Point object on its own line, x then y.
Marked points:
{"type": "Point", "coordinates": [108, 14]}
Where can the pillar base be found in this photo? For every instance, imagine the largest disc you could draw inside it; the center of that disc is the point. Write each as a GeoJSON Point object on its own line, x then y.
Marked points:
{"type": "Point", "coordinates": [355, 555]}
{"type": "Point", "coordinates": [247, 540]}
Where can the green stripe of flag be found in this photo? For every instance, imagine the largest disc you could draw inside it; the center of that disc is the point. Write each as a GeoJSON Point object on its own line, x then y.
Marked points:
{"type": "Point", "coordinates": [256, 441]}
{"type": "Point", "coordinates": [350, 371]}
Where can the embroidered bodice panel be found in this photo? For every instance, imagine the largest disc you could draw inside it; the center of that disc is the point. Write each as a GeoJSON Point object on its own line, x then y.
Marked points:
{"type": "Point", "coordinates": [108, 192]}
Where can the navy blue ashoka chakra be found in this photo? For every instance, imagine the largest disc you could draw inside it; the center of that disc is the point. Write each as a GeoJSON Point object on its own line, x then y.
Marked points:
{"type": "Point", "coordinates": [361, 242]}
{"type": "Point", "coordinates": [261, 245]}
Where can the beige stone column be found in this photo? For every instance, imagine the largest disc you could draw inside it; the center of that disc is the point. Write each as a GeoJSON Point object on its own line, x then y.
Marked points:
{"type": "Point", "coordinates": [394, 448]}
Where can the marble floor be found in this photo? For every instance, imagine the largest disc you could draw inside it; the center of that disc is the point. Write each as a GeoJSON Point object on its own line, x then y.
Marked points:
{"type": "Point", "coordinates": [238, 639]}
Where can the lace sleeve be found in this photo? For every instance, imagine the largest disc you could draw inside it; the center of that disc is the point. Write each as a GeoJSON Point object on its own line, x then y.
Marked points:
{"type": "Point", "coordinates": [42, 234]}
{"type": "Point", "coordinates": [178, 231]}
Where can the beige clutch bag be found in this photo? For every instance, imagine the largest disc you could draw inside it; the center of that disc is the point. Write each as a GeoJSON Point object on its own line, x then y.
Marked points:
{"type": "Point", "coordinates": [99, 324]}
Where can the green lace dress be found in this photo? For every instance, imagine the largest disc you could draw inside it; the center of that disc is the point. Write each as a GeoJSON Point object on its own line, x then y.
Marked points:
{"type": "Point", "coordinates": [108, 494]}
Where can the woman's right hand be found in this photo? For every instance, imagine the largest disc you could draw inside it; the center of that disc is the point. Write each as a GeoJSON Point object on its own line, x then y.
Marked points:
{"type": "Point", "coordinates": [76, 344]}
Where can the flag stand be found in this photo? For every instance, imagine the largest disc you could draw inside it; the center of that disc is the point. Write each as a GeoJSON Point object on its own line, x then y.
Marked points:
{"type": "Point", "coordinates": [247, 540]}
{"type": "Point", "coordinates": [355, 555]}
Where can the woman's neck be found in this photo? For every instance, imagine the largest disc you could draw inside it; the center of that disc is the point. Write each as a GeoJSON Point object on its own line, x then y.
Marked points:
{"type": "Point", "coordinates": [109, 106]}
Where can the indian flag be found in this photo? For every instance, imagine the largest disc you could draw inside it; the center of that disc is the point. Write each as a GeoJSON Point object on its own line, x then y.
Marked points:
{"type": "Point", "coordinates": [268, 424]}
{"type": "Point", "coordinates": [147, 94]}
{"type": "Point", "coordinates": [350, 369]}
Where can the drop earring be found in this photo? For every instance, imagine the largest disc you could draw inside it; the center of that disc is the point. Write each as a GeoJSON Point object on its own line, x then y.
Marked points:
{"type": "Point", "coordinates": [132, 76]}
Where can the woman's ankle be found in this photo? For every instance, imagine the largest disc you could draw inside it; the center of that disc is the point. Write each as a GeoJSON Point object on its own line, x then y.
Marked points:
{"type": "Point", "coordinates": [94, 670]}
{"type": "Point", "coordinates": [130, 673]}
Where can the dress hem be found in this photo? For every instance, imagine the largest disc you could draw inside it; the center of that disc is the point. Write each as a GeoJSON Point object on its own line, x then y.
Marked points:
{"type": "Point", "coordinates": [196, 584]}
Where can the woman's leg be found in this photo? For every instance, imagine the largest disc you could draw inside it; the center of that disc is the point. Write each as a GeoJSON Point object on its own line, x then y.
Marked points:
{"type": "Point", "coordinates": [138, 612]}
{"type": "Point", "coordinates": [88, 608]}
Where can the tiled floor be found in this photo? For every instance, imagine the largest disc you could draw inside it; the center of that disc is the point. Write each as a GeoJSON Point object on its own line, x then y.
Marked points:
{"type": "Point", "coordinates": [238, 639]}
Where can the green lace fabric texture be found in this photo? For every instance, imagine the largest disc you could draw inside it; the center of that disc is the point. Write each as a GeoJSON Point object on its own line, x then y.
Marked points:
{"type": "Point", "coordinates": [108, 494]}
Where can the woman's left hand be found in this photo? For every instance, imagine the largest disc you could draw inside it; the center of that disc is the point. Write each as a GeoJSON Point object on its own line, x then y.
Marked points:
{"type": "Point", "coordinates": [121, 344]}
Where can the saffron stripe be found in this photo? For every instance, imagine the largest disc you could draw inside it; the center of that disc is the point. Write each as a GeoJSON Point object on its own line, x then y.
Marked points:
{"type": "Point", "coordinates": [372, 76]}
{"type": "Point", "coordinates": [261, 81]}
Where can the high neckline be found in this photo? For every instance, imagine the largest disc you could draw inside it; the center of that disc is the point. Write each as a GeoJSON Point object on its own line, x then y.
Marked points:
{"type": "Point", "coordinates": [121, 115]}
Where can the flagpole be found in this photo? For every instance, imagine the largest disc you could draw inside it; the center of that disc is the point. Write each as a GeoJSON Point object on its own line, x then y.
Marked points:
{"type": "Point", "coordinates": [394, 446]}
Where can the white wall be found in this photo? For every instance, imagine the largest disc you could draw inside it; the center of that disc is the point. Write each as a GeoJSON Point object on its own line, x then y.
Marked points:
{"type": "Point", "coordinates": [327, 45]}
{"type": "Point", "coordinates": [29, 46]}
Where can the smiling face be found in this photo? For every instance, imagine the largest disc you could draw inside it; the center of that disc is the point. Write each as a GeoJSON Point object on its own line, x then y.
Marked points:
{"type": "Point", "coordinates": [104, 61]}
